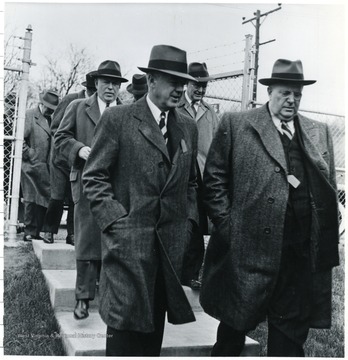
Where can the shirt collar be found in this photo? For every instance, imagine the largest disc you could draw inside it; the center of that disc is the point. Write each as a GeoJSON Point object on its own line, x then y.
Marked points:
{"type": "Point", "coordinates": [102, 104]}
{"type": "Point", "coordinates": [278, 123]}
{"type": "Point", "coordinates": [156, 112]}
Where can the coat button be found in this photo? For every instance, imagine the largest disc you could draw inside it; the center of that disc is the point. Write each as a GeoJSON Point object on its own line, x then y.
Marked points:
{"type": "Point", "coordinates": [267, 231]}
{"type": "Point", "coordinates": [277, 169]}
{"type": "Point", "coordinates": [270, 200]}
{"type": "Point", "coordinates": [161, 164]}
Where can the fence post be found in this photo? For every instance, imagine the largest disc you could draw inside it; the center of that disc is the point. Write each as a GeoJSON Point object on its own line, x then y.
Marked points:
{"type": "Point", "coordinates": [246, 73]}
{"type": "Point", "coordinates": [19, 136]}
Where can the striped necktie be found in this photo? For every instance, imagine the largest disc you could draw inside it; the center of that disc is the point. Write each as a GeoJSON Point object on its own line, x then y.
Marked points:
{"type": "Point", "coordinates": [286, 130]}
{"type": "Point", "coordinates": [163, 127]}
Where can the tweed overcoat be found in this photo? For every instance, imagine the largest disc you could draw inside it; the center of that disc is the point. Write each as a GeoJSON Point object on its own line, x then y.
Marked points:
{"type": "Point", "coordinates": [59, 168]}
{"type": "Point", "coordinates": [74, 132]}
{"type": "Point", "coordinates": [142, 201]}
{"type": "Point", "coordinates": [35, 176]}
{"type": "Point", "coordinates": [246, 193]}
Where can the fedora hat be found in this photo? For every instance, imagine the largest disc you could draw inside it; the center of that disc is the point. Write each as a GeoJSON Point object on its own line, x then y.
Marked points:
{"type": "Point", "coordinates": [111, 69]}
{"type": "Point", "coordinates": [138, 85]}
{"type": "Point", "coordinates": [287, 71]}
{"type": "Point", "coordinates": [50, 99]}
{"type": "Point", "coordinates": [90, 77]}
{"type": "Point", "coordinates": [200, 72]}
{"type": "Point", "coordinates": [169, 60]}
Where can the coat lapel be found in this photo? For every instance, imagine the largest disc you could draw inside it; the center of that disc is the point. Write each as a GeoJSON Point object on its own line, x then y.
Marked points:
{"type": "Point", "coordinates": [92, 108]}
{"type": "Point", "coordinates": [269, 136]}
{"type": "Point", "coordinates": [42, 121]}
{"type": "Point", "coordinates": [149, 127]}
{"type": "Point", "coordinates": [202, 109]}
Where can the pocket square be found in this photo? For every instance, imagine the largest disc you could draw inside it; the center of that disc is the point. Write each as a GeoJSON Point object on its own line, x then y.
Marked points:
{"type": "Point", "coordinates": [183, 146]}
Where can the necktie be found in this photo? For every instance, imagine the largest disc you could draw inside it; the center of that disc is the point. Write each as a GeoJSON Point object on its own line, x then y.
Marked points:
{"type": "Point", "coordinates": [286, 130]}
{"type": "Point", "coordinates": [163, 127]}
{"type": "Point", "coordinates": [107, 104]}
{"type": "Point", "coordinates": [194, 109]}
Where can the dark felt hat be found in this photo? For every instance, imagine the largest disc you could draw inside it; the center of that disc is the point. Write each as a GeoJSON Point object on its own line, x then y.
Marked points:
{"type": "Point", "coordinates": [90, 78]}
{"type": "Point", "coordinates": [50, 99]}
{"type": "Point", "coordinates": [111, 69]}
{"type": "Point", "coordinates": [138, 85]}
{"type": "Point", "coordinates": [200, 72]}
{"type": "Point", "coordinates": [287, 71]}
{"type": "Point", "coordinates": [169, 60]}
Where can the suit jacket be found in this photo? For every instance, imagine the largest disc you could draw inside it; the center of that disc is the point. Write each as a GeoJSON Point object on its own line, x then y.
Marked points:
{"type": "Point", "coordinates": [142, 200]}
{"type": "Point", "coordinates": [35, 177]}
{"type": "Point", "coordinates": [246, 193]}
{"type": "Point", "coordinates": [76, 131]}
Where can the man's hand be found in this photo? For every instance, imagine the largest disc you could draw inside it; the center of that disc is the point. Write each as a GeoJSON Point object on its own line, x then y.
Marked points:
{"type": "Point", "coordinates": [84, 152]}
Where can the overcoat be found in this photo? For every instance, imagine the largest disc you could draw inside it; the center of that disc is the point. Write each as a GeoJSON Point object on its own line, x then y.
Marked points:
{"type": "Point", "coordinates": [246, 193]}
{"type": "Point", "coordinates": [35, 176]}
{"type": "Point", "coordinates": [143, 201]}
{"type": "Point", "coordinates": [207, 124]}
{"type": "Point", "coordinates": [59, 167]}
{"type": "Point", "coordinates": [74, 132]}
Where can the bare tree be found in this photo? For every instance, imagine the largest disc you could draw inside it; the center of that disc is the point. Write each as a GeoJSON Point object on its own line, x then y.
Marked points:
{"type": "Point", "coordinates": [11, 60]}
{"type": "Point", "coordinates": [65, 73]}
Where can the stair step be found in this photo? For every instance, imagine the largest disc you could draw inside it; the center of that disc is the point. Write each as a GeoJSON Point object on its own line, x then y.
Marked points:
{"type": "Point", "coordinates": [57, 256]}
{"type": "Point", "coordinates": [61, 285]}
{"type": "Point", "coordinates": [88, 337]}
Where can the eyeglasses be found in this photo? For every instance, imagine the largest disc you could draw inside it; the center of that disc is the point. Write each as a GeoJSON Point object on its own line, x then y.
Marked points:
{"type": "Point", "coordinates": [199, 85]}
{"type": "Point", "coordinates": [286, 94]}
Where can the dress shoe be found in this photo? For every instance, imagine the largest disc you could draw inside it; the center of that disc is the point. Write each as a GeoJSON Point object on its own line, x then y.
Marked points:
{"type": "Point", "coordinates": [195, 284]}
{"type": "Point", "coordinates": [70, 240]}
{"type": "Point", "coordinates": [81, 309]}
{"type": "Point", "coordinates": [48, 238]}
{"type": "Point", "coordinates": [27, 237]}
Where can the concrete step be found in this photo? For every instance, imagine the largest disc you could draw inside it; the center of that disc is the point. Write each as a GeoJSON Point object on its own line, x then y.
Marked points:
{"type": "Point", "coordinates": [88, 337]}
{"type": "Point", "coordinates": [56, 256]}
{"type": "Point", "coordinates": [61, 285]}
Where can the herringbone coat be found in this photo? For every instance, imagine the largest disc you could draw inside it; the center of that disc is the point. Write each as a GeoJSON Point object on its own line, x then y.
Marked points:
{"type": "Point", "coordinates": [35, 175]}
{"type": "Point", "coordinates": [142, 201]}
{"type": "Point", "coordinates": [246, 193]}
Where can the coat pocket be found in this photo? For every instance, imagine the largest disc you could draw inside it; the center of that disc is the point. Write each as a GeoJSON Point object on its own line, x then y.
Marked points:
{"type": "Point", "coordinates": [75, 186]}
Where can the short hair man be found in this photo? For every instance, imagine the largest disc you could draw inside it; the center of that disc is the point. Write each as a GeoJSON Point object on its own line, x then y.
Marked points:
{"type": "Point", "coordinates": [60, 171]}
{"type": "Point", "coordinates": [72, 141]}
{"type": "Point", "coordinates": [140, 180]}
{"type": "Point", "coordinates": [35, 176]}
{"type": "Point", "coordinates": [270, 190]}
{"type": "Point", "coordinates": [138, 88]}
{"type": "Point", "coordinates": [193, 105]}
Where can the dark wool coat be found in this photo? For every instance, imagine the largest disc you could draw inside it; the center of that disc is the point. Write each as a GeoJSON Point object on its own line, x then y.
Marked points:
{"type": "Point", "coordinates": [74, 132]}
{"type": "Point", "coordinates": [35, 176]}
{"type": "Point", "coordinates": [142, 201]}
{"type": "Point", "coordinates": [59, 168]}
{"type": "Point", "coordinates": [246, 193]}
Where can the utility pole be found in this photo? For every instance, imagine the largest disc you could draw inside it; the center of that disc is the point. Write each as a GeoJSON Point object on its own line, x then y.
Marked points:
{"type": "Point", "coordinates": [257, 26]}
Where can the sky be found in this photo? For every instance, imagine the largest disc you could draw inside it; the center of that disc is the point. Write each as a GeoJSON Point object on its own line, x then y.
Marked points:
{"type": "Point", "coordinates": [208, 32]}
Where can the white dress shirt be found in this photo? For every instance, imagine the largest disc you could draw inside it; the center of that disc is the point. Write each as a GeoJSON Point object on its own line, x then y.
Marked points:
{"type": "Point", "coordinates": [156, 112]}
{"type": "Point", "coordinates": [102, 104]}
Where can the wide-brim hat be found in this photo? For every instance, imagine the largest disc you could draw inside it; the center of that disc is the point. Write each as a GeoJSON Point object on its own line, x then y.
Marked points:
{"type": "Point", "coordinates": [138, 85]}
{"type": "Point", "coordinates": [169, 60]}
{"type": "Point", "coordinates": [90, 80]}
{"type": "Point", "coordinates": [111, 69]}
{"type": "Point", "coordinates": [50, 99]}
{"type": "Point", "coordinates": [200, 72]}
{"type": "Point", "coordinates": [287, 71]}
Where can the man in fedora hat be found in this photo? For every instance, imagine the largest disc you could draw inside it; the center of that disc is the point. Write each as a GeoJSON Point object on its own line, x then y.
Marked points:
{"type": "Point", "coordinates": [138, 87]}
{"type": "Point", "coordinates": [72, 141]}
{"type": "Point", "coordinates": [35, 176]}
{"type": "Point", "coordinates": [140, 180]}
{"type": "Point", "coordinates": [193, 105]}
{"type": "Point", "coordinates": [270, 190]}
{"type": "Point", "coordinates": [60, 171]}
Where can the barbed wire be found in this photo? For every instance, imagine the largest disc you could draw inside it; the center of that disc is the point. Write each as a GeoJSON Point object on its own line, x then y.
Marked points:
{"type": "Point", "coordinates": [215, 47]}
